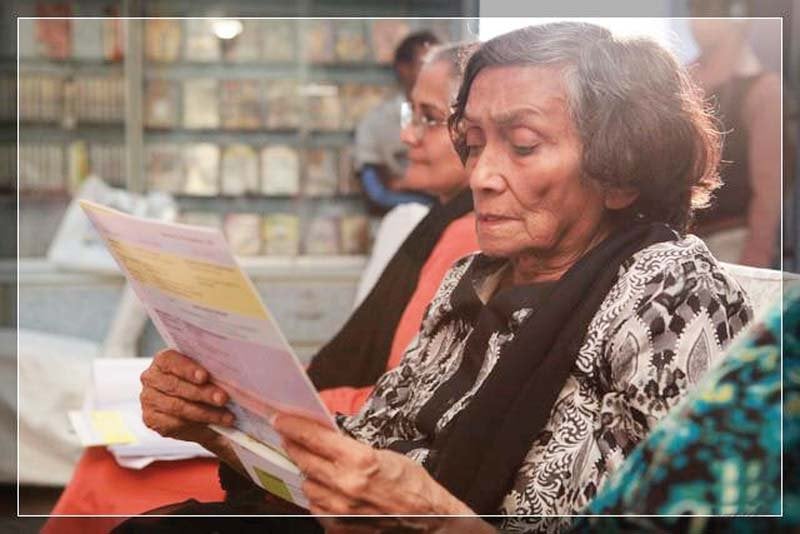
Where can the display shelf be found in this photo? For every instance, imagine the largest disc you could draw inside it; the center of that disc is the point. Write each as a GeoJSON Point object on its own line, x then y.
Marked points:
{"type": "Point", "coordinates": [53, 132]}
{"type": "Point", "coordinates": [178, 75]}
{"type": "Point", "coordinates": [68, 67]}
{"type": "Point", "coordinates": [267, 204]}
{"type": "Point", "coordinates": [279, 137]}
{"type": "Point", "coordinates": [367, 73]}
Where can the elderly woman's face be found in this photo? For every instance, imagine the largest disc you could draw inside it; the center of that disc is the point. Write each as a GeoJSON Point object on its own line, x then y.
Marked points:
{"type": "Point", "coordinates": [525, 165]}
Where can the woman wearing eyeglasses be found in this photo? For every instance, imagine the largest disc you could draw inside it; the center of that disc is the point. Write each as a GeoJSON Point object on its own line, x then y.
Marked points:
{"type": "Point", "coordinates": [434, 168]}
{"type": "Point", "coordinates": [368, 345]}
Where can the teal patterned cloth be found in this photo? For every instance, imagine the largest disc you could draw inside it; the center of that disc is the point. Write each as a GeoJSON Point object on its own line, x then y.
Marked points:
{"type": "Point", "coordinates": [719, 451]}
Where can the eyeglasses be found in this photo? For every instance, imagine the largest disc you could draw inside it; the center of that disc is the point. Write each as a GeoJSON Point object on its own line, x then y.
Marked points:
{"type": "Point", "coordinates": [420, 123]}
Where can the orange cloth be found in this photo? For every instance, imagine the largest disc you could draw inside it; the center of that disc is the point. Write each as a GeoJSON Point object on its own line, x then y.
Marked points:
{"type": "Point", "coordinates": [100, 486]}
{"type": "Point", "coordinates": [457, 241]}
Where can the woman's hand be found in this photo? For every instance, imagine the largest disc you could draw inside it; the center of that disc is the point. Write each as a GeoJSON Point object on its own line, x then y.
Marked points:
{"type": "Point", "coordinates": [346, 477]}
{"type": "Point", "coordinates": [179, 401]}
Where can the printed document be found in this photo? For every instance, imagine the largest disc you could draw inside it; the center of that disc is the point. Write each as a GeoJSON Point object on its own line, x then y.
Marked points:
{"type": "Point", "coordinates": [206, 307]}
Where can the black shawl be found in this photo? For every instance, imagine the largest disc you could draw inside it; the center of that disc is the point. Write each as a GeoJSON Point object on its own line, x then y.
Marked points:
{"type": "Point", "coordinates": [358, 354]}
{"type": "Point", "coordinates": [478, 454]}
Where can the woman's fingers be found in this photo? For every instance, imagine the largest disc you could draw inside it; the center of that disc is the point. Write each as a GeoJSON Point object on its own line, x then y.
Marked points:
{"type": "Point", "coordinates": [328, 501]}
{"type": "Point", "coordinates": [175, 386]}
{"type": "Point", "coordinates": [311, 465]}
{"type": "Point", "coordinates": [323, 441]}
{"type": "Point", "coordinates": [174, 427]}
{"type": "Point", "coordinates": [176, 375]}
{"type": "Point", "coordinates": [183, 409]}
{"type": "Point", "coordinates": [175, 363]}
{"type": "Point", "coordinates": [335, 460]}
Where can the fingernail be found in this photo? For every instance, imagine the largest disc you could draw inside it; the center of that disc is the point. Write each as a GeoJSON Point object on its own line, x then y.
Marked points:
{"type": "Point", "coordinates": [199, 375]}
{"type": "Point", "coordinates": [219, 398]}
{"type": "Point", "coordinates": [271, 419]}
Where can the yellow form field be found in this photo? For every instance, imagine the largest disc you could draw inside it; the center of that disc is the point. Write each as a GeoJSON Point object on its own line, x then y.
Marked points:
{"type": "Point", "coordinates": [219, 287]}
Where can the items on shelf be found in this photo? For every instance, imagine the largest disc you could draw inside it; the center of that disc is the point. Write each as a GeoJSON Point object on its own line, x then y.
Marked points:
{"type": "Point", "coordinates": [88, 42]}
{"type": "Point", "coordinates": [284, 106]}
{"type": "Point", "coordinates": [354, 234]}
{"type": "Point", "coordinates": [107, 161]}
{"type": "Point", "coordinates": [239, 170]}
{"type": "Point", "coordinates": [264, 117]}
{"type": "Point", "coordinates": [319, 41]}
{"type": "Point", "coordinates": [41, 167]}
{"type": "Point", "coordinates": [243, 169]}
{"type": "Point", "coordinates": [241, 105]}
{"type": "Point", "coordinates": [200, 103]}
{"type": "Point", "coordinates": [99, 99]}
{"type": "Point", "coordinates": [202, 169]}
{"type": "Point", "coordinates": [164, 167]}
{"type": "Point", "coordinates": [351, 41]}
{"type": "Point", "coordinates": [245, 47]}
{"type": "Point", "coordinates": [201, 42]}
{"type": "Point", "coordinates": [322, 236]}
{"type": "Point", "coordinates": [324, 106]}
{"type": "Point", "coordinates": [60, 36]}
{"type": "Point", "coordinates": [279, 40]}
{"type": "Point", "coordinates": [280, 170]}
{"type": "Point", "coordinates": [161, 98]}
{"type": "Point", "coordinates": [71, 101]}
{"type": "Point", "coordinates": [162, 40]}
{"type": "Point", "coordinates": [54, 30]}
{"type": "Point", "coordinates": [243, 232]}
{"type": "Point", "coordinates": [281, 232]}
{"type": "Point", "coordinates": [321, 172]}
{"type": "Point", "coordinates": [77, 165]}
{"type": "Point", "coordinates": [55, 168]}
{"type": "Point", "coordinates": [236, 104]}
{"type": "Point", "coordinates": [41, 97]}
{"type": "Point", "coordinates": [114, 29]}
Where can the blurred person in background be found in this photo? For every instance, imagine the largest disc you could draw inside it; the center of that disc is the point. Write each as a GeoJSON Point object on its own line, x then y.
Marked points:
{"type": "Point", "coordinates": [742, 226]}
{"type": "Point", "coordinates": [433, 166]}
{"type": "Point", "coordinates": [398, 284]}
{"type": "Point", "coordinates": [380, 156]}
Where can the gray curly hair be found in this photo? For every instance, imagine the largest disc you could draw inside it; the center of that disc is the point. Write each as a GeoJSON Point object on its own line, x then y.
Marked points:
{"type": "Point", "coordinates": [641, 120]}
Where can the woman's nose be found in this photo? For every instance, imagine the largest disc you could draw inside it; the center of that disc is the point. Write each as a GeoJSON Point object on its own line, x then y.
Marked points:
{"type": "Point", "coordinates": [487, 172]}
{"type": "Point", "coordinates": [408, 134]}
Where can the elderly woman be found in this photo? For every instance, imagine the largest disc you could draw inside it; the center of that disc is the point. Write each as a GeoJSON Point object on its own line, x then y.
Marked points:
{"type": "Point", "coordinates": [542, 361]}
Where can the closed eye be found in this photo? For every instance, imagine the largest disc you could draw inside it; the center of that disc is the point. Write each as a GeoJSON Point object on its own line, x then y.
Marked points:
{"type": "Point", "coordinates": [525, 150]}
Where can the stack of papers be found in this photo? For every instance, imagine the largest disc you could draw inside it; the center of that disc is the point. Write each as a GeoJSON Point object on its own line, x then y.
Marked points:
{"type": "Point", "coordinates": [112, 417]}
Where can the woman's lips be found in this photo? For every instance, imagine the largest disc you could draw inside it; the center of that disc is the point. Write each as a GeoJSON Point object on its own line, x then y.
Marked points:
{"type": "Point", "coordinates": [492, 219]}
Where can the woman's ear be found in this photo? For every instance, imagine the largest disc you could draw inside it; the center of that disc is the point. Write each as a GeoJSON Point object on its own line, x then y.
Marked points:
{"type": "Point", "coordinates": [617, 198]}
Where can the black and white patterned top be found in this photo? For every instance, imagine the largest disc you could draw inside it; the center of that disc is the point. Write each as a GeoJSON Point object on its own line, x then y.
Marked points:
{"type": "Point", "coordinates": [671, 312]}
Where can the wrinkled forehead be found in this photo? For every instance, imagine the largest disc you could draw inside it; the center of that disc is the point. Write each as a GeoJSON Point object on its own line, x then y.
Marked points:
{"type": "Point", "coordinates": [497, 90]}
